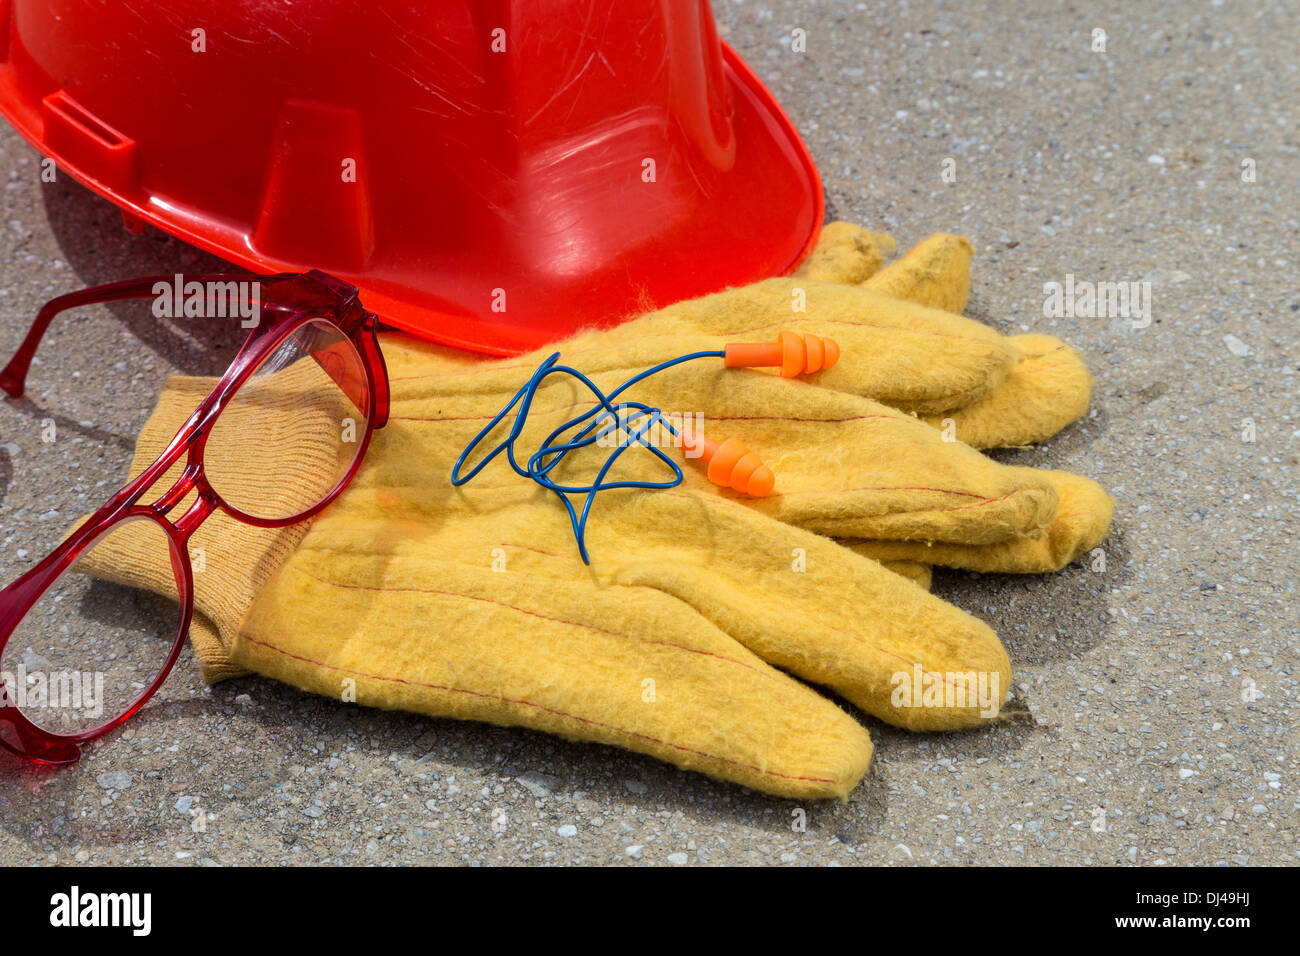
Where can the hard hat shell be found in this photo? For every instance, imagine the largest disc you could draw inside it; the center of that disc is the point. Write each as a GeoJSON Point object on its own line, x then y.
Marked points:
{"type": "Point", "coordinates": [492, 174]}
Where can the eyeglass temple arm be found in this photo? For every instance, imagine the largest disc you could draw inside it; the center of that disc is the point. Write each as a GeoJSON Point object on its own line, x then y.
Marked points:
{"type": "Point", "coordinates": [13, 379]}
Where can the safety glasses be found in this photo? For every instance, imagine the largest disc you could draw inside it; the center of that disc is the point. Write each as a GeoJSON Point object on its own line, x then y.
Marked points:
{"type": "Point", "coordinates": [81, 650]}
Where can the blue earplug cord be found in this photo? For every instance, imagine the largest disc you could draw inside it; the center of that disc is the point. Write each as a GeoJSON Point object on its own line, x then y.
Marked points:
{"type": "Point", "coordinates": [542, 462]}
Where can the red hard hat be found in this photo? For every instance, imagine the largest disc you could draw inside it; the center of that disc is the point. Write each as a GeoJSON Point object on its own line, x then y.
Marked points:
{"type": "Point", "coordinates": [491, 174]}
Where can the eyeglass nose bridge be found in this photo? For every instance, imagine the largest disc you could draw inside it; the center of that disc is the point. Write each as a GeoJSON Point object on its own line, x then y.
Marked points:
{"type": "Point", "coordinates": [191, 479]}
{"type": "Point", "coordinates": [204, 505]}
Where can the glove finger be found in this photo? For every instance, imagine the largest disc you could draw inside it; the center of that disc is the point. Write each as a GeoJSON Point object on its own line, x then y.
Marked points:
{"type": "Point", "coordinates": [1048, 388]}
{"type": "Point", "coordinates": [935, 273]}
{"type": "Point", "coordinates": [529, 638]}
{"type": "Point", "coordinates": [815, 609]}
{"type": "Point", "coordinates": [846, 253]}
{"type": "Point", "coordinates": [897, 352]}
{"type": "Point", "coordinates": [917, 572]}
{"type": "Point", "coordinates": [1082, 520]}
{"type": "Point", "coordinates": [845, 464]}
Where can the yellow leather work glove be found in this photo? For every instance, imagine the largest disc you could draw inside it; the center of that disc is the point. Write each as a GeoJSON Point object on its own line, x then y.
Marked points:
{"type": "Point", "coordinates": [473, 603]}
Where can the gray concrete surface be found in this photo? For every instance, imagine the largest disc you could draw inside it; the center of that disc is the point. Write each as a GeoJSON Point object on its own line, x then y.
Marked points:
{"type": "Point", "coordinates": [1116, 166]}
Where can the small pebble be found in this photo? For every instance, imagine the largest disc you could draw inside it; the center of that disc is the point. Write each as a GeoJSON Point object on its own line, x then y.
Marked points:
{"type": "Point", "coordinates": [537, 783]}
{"type": "Point", "coordinates": [114, 780]}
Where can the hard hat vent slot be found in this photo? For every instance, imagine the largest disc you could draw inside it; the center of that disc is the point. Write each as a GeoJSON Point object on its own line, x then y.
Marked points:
{"type": "Point", "coordinates": [70, 112]}
{"type": "Point", "coordinates": [87, 141]}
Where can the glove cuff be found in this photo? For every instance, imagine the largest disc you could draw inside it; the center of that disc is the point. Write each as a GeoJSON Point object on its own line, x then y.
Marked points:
{"type": "Point", "coordinates": [230, 560]}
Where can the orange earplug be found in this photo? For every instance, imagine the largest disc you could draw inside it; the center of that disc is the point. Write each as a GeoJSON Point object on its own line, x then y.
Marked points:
{"type": "Point", "coordinates": [732, 465]}
{"type": "Point", "coordinates": [795, 354]}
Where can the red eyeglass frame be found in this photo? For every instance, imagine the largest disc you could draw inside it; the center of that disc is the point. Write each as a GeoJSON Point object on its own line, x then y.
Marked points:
{"type": "Point", "coordinates": [288, 301]}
